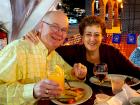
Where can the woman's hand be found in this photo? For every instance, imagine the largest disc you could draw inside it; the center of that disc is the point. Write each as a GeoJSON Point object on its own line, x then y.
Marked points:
{"type": "Point", "coordinates": [79, 70]}
{"type": "Point", "coordinates": [46, 89]}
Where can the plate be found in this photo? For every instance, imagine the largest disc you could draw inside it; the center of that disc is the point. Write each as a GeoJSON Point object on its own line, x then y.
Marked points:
{"type": "Point", "coordinates": [86, 96]}
{"type": "Point", "coordinates": [138, 91]}
{"type": "Point", "coordinates": [107, 82]}
{"type": "Point", "coordinates": [134, 100]}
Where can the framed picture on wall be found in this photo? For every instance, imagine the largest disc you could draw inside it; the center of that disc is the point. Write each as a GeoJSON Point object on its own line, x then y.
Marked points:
{"type": "Point", "coordinates": [116, 38]}
{"type": "Point", "coordinates": [131, 38]}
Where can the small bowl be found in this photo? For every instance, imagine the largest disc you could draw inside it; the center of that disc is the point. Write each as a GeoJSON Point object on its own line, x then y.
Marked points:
{"type": "Point", "coordinates": [134, 101]}
{"type": "Point", "coordinates": [100, 98]}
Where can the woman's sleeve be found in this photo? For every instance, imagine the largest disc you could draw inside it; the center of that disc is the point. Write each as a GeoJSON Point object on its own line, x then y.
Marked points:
{"type": "Point", "coordinates": [125, 65]}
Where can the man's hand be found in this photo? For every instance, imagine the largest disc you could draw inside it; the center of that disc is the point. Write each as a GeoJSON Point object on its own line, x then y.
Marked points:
{"type": "Point", "coordinates": [79, 70]}
{"type": "Point", "coordinates": [46, 89]}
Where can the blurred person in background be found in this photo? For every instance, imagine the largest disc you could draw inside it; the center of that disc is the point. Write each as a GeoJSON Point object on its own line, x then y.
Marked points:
{"type": "Point", "coordinates": [135, 55]}
{"type": "Point", "coordinates": [24, 65]}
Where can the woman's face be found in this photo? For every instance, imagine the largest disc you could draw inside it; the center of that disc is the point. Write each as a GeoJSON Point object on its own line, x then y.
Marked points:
{"type": "Point", "coordinates": [92, 37]}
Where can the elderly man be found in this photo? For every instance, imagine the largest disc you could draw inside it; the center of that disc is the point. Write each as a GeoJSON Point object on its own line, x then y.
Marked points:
{"type": "Point", "coordinates": [24, 65]}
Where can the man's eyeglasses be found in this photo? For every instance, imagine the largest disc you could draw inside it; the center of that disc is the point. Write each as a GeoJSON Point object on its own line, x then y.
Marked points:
{"type": "Point", "coordinates": [56, 28]}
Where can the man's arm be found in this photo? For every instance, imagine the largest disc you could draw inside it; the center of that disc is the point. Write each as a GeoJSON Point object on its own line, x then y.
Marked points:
{"type": "Point", "coordinates": [12, 91]}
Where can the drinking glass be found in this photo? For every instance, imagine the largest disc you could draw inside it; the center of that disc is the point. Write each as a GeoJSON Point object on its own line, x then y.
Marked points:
{"type": "Point", "coordinates": [116, 83]}
{"type": "Point", "coordinates": [57, 74]}
{"type": "Point", "coordinates": [100, 71]}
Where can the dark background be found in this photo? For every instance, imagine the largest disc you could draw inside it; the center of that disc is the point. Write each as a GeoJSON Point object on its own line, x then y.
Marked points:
{"type": "Point", "coordinates": [75, 3]}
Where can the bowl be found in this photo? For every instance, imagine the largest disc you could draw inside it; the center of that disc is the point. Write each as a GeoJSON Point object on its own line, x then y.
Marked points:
{"type": "Point", "coordinates": [101, 98]}
{"type": "Point", "coordinates": [134, 101]}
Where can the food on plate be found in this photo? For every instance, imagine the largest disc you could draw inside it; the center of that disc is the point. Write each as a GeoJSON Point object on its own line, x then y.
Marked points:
{"type": "Point", "coordinates": [129, 81]}
{"type": "Point", "coordinates": [71, 95]}
{"type": "Point", "coordinates": [71, 101]}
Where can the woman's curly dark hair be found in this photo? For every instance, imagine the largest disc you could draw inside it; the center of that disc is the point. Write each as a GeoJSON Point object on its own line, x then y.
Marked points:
{"type": "Point", "coordinates": [89, 21]}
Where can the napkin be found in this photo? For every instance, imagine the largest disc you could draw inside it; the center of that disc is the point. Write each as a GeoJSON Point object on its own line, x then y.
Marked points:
{"type": "Point", "coordinates": [130, 92]}
{"type": "Point", "coordinates": [122, 98]}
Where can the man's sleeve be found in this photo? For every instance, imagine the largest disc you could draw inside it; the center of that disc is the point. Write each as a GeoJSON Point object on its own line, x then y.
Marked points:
{"type": "Point", "coordinates": [12, 91]}
{"type": "Point", "coordinates": [67, 68]}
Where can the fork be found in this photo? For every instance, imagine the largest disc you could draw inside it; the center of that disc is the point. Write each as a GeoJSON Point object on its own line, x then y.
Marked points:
{"type": "Point", "coordinates": [68, 83]}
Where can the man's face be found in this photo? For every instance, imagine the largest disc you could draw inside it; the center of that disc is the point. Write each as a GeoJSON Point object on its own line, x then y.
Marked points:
{"type": "Point", "coordinates": [54, 30]}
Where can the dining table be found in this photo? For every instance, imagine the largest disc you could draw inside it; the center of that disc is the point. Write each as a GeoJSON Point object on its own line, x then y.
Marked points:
{"type": "Point", "coordinates": [96, 89]}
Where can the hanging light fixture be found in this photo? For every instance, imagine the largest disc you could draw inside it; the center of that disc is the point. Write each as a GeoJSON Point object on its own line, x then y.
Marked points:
{"type": "Point", "coordinates": [119, 1]}
{"type": "Point", "coordinates": [121, 5]}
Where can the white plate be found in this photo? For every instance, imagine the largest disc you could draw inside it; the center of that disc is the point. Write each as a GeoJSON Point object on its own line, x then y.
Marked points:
{"type": "Point", "coordinates": [86, 88]}
{"type": "Point", "coordinates": [107, 82]}
{"type": "Point", "coordinates": [134, 100]}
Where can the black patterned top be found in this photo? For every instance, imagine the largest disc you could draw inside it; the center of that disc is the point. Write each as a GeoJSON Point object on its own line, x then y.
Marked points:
{"type": "Point", "coordinates": [117, 63]}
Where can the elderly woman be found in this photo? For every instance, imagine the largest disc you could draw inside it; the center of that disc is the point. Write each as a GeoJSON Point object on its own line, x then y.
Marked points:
{"type": "Point", "coordinates": [93, 51]}
{"type": "Point", "coordinates": [135, 55]}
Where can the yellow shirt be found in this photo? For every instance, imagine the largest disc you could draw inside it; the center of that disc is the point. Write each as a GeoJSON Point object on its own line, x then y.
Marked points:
{"type": "Point", "coordinates": [22, 64]}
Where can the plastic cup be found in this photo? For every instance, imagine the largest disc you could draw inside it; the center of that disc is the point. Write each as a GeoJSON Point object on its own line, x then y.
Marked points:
{"type": "Point", "coordinates": [117, 82]}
